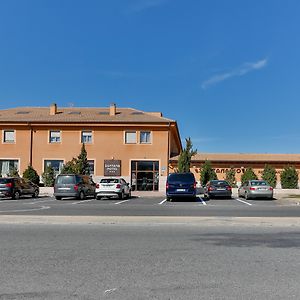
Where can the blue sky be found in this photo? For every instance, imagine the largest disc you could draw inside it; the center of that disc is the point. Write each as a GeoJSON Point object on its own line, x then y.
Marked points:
{"type": "Point", "coordinates": [227, 71]}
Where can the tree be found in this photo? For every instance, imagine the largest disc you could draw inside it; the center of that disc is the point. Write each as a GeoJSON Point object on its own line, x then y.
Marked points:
{"type": "Point", "coordinates": [248, 175]}
{"type": "Point", "coordinates": [48, 176]}
{"type": "Point", "coordinates": [230, 177]}
{"type": "Point", "coordinates": [31, 174]}
{"type": "Point", "coordinates": [269, 175]}
{"type": "Point", "coordinates": [77, 165]}
{"type": "Point", "coordinates": [13, 172]}
{"type": "Point", "coordinates": [207, 173]}
{"type": "Point", "coordinates": [289, 178]}
{"type": "Point", "coordinates": [185, 157]}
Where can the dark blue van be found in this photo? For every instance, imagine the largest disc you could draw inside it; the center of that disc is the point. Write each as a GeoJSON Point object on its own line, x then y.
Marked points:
{"type": "Point", "coordinates": [180, 185]}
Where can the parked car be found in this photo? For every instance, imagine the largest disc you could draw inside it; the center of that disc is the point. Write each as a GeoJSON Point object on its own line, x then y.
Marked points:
{"type": "Point", "coordinates": [217, 188]}
{"type": "Point", "coordinates": [255, 189]}
{"type": "Point", "coordinates": [180, 185]}
{"type": "Point", "coordinates": [73, 185]}
{"type": "Point", "coordinates": [113, 187]}
{"type": "Point", "coordinates": [15, 187]}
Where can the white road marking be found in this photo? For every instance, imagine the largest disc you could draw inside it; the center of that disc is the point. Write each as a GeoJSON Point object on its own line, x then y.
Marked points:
{"type": "Point", "coordinates": [110, 290]}
{"type": "Point", "coordinates": [121, 201]}
{"type": "Point", "coordinates": [23, 210]}
{"type": "Point", "coordinates": [245, 202]}
{"type": "Point", "coordinates": [203, 202]}
{"type": "Point", "coordinates": [88, 200]}
{"type": "Point", "coordinates": [162, 202]}
{"type": "Point", "coordinates": [39, 201]}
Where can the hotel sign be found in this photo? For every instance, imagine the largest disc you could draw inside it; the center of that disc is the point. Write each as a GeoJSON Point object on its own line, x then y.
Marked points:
{"type": "Point", "coordinates": [112, 167]}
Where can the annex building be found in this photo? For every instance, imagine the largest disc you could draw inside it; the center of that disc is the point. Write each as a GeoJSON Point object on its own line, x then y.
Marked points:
{"type": "Point", "coordinates": [221, 162]}
{"type": "Point", "coordinates": [134, 144]}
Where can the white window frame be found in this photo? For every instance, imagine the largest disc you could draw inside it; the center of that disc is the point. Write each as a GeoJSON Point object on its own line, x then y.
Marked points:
{"type": "Point", "coordinates": [126, 134]}
{"type": "Point", "coordinates": [5, 140]}
{"type": "Point", "coordinates": [58, 138]}
{"type": "Point", "coordinates": [89, 133]}
{"type": "Point", "coordinates": [150, 137]}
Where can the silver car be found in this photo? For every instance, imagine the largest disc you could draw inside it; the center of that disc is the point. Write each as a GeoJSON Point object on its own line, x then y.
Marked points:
{"type": "Point", "coordinates": [255, 189]}
{"type": "Point", "coordinates": [112, 187]}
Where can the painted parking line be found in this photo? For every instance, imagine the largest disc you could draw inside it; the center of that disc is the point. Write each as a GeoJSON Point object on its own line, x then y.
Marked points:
{"type": "Point", "coordinates": [120, 202]}
{"type": "Point", "coordinates": [245, 202]}
{"type": "Point", "coordinates": [162, 202]}
{"type": "Point", "coordinates": [78, 202]}
{"type": "Point", "coordinates": [41, 201]}
{"type": "Point", "coordinates": [202, 201]}
{"type": "Point", "coordinates": [25, 210]}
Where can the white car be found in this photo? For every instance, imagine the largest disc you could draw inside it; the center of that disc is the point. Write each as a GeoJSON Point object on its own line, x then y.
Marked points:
{"type": "Point", "coordinates": [112, 187]}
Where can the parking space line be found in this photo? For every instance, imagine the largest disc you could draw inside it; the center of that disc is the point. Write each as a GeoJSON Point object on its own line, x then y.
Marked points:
{"type": "Point", "coordinates": [245, 202]}
{"type": "Point", "coordinates": [82, 201]}
{"type": "Point", "coordinates": [39, 201]}
{"type": "Point", "coordinates": [162, 202]}
{"type": "Point", "coordinates": [203, 202]}
{"type": "Point", "coordinates": [121, 201]}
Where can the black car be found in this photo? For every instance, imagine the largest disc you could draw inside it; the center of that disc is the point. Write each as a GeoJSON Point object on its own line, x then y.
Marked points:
{"type": "Point", "coordinates": [15, 187]}
{"type": "Point", "coordinates": [217, 188]}
{"type": "Point", "coordinates": [180, 185]}
{"type": "Point", "coordinates": [73, 185]}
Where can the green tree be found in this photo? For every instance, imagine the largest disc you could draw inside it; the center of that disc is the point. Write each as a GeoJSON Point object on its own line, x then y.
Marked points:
{"type": "Point", "coordinates": [48, 176]}
{"type": "Point", "coordinates": [13, 172]}
{"type": "Point", "coordinates": [207, 173]}
{"type": "Point", "coordinates": [248, 175]}
{"type": "Point", "coordinates": [31, 174]}
{"type": "Point", "coordinates": [289, 178]}
{"type": "Point", "coordinates": [185, 157]}
{"type": "Point", "coordinates": [269, 175]}
{"type": "Point", "coordinates": [230, 177]}
{"type": "Point", "coordinates": [70, 167]}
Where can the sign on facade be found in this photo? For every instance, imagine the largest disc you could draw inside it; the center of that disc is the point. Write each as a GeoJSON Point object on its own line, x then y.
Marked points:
{"type": "Point", "coordinates": [112, 168]}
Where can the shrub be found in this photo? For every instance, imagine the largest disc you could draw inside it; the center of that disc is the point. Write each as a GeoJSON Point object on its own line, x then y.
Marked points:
{"type": "Point", "coordinates": [31, 174]}
{"type": "Point", "coordinates": [185, 157]}
{"type": "Point", "coordinates": [13, 172]}
{"type": "Point", "coordinates": [269, 175]}
{"type": "Point", "coordinates": [207, 173]}
{"type": "Point", "coordinates": [248, 175]}
{"type": "Point", "coordinates": [48, 176]}
{"type": "Point", "coordinates": [289, 178]}
{"type": "Point", "coordinates": [230, 177]}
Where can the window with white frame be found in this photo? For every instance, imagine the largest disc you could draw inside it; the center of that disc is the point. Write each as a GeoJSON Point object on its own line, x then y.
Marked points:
{"type": "Point", "coordinates": [8, 136]}
{"type": "Point", "coordinates": [55, 164]}
{"type": "Point", "coordinates": [130, 137]}
{"type": "Point", "coordinates": [145, 137]}
{"type": "Point", "coordinates": [86, 137]}
{"type": "Point", "coordinates": [54, 136]}
{"type": "Point", "coordinates": [6, 166]}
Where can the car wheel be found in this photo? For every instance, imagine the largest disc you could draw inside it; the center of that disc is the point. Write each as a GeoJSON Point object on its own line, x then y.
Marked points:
{"type": "Point", "coordinates": [98, 197]}
{"type": "Point", "coordinates": [121, 195]}
{"type": "Point", "coordinates": [16, 195]}
{"type": "Point", "coordinates": [35, 194]}
{"type": "Point", "coordinates": [129, 195]}
{"type": "Point", "coordinates": [247, 196]}
{"type": "Point", "coordinates": [58, 198]}
{"type": "Point", "coordinates": [81, 196]}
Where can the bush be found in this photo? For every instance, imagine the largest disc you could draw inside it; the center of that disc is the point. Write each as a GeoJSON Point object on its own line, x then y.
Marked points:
{"type": "Point", "coordinates": [269, 175]}
{"type": "Point", "coordinates": [48, 176]}
{"type": "Point", "coordinates": [230, 177]}
{"type": "Point", "coordinates": [31, 174]}
{"type": "Point", "coordinates": [185, 157]}
{"type": "Point", "coordinates": [207, 173]}
{"type": "Point", "coordinates": [248, 175]}
{"type": "Point", "coordinates": [289, 178]}
{"type": "Point", "coordinates": [13, 173]}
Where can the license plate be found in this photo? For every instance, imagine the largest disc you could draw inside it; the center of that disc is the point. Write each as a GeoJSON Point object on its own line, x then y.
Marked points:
{"type": "Point", "coordinates": [262, 189]}
{"type": "Point", "coordinates": [65, 189]}
{"type": "Point", "coordinates": [220, 189]}
{"type": "Point", "coordinates": [180, 190]}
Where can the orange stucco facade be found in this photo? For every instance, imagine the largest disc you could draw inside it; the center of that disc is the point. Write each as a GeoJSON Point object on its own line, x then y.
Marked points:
{"type": "Point", "coordinates": [32, 144]}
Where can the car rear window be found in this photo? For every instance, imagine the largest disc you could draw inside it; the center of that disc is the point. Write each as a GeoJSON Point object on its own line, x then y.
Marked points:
{"type": "Point", "coordinates": [109, 180]}
{"type": "Point", "coordinates": [4, 180]}
{"type": "Point", "coordinates": [256, 183]}
{"type": "Point", "coordinates": [188, 178]}
{"type": "Point", "coordinates": [219, 183]}
{"type": "Point", "coordinates": [65, 179]}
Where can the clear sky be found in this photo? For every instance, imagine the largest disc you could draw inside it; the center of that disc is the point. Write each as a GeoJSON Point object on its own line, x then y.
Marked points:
{"type": "Point", "coordinates": [227, 71]}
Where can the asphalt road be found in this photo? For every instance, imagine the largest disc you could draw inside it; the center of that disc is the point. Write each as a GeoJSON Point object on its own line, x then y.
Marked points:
{"type": "Point", "coordinates": [148, 262]}
{"type": "Point", "coordinates": [147, 206]}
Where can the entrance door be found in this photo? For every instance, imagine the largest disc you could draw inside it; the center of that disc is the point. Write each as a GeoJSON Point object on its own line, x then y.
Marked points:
{"type": "Point", "coordinates": [145, 175]}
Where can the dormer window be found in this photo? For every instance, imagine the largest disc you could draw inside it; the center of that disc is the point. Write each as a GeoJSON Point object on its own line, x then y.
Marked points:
{"type": "Point", "coordinates": [8, 136]}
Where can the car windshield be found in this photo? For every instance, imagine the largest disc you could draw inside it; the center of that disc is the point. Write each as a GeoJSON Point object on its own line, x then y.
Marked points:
{"type": "Point", "coordinates": [188, 178]}
{"type": "Point", "coordinates": [257, 183]}
{"type": "Point", "coordinates": [219, 183]}
{"type": "Point", "coordinates": [65, 180]}
{"type": "Point", "coordinates": [109, 180]}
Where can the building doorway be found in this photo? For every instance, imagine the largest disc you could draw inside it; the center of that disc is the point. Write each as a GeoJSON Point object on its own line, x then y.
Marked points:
{"type": "Point", "coordinates": [144, 175]}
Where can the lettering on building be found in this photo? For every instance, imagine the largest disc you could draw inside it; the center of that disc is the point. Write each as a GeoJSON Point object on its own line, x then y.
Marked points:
{"type": "Point", "coordinates": [112, 167]}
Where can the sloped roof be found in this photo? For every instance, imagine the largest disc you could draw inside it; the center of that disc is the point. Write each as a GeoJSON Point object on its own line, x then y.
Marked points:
{"type": "Point", "coordinates": [79, 115]}
{"type": "Point", "coordinates": [246, 157]}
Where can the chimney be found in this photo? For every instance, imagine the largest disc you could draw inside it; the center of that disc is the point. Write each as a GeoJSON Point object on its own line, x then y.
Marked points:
{"type": "Point", "coordinates": [53, 109]}
{"type": "Point", "coordinates": [112, 109]}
